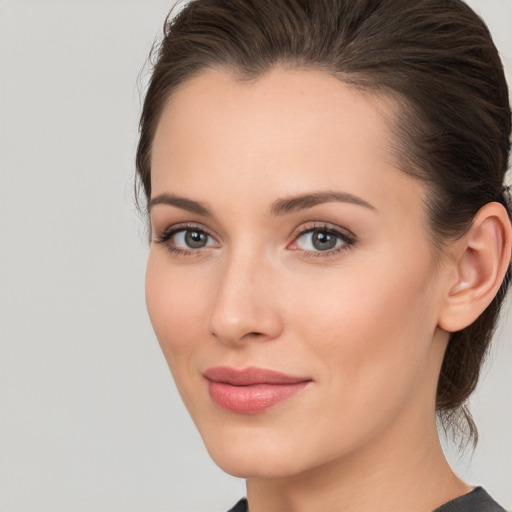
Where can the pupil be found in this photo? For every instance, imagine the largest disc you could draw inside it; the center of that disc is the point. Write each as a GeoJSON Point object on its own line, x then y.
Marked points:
{"type": "Point", "coordinates": [195, 239]}
{"type": "Point", "coordinates": [323, 241]}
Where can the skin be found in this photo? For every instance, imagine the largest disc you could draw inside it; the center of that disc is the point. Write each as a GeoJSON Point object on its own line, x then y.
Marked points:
{"type": "Point", "coordinates": [363, 323]}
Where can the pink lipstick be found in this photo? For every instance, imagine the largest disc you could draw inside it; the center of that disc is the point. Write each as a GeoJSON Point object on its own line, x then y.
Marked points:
{"type": "Point", "coordinates": [251, 390]}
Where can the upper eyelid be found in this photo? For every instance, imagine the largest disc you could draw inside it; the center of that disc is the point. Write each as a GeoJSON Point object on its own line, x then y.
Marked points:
{"type": "Point", "coordinates": [302, 229]}
{"type": "Point", "coordinates": [165, 238]}
{"type": "Point", "coordinates": [326, 226]}
{"type": "Point", "coordinates": [176, 228]}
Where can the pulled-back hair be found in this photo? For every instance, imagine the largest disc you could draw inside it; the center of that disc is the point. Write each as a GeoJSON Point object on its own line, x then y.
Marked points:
{"type": "Point", "coordinates": [435, 58]}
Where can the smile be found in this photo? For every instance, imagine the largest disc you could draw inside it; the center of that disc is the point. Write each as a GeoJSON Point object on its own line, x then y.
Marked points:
{"type": "Point", "coordinates": [251, 390]}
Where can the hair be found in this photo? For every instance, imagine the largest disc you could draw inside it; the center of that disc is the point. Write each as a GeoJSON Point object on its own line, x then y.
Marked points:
{"type": "Point", "coordinates": [452, 118]}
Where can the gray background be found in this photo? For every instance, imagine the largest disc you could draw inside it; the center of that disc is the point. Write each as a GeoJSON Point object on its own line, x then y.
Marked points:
{"type": "Point", "coordinates": [90, 419]}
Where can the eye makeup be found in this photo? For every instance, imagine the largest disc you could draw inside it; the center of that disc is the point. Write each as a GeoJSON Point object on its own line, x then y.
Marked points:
{"type": "Point", "coordinates": [313, 240]}
{"type": "Point", "coordinates": [322, 240]}
{"type": "Point", "coordinates": [186, 239]}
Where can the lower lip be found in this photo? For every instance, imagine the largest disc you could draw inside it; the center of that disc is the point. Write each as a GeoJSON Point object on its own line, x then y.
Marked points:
{"type": "Point", "coordinates": [251, 399]}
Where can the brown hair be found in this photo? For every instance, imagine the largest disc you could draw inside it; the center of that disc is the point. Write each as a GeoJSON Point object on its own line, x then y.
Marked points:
{"type": "Point", "coordinates": [435, 57]}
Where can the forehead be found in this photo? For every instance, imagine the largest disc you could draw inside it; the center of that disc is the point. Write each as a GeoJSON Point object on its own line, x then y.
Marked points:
{"type": "Point", "coordinates": [283, 104]}
{"type": "Point", "coordinates": [288, 131]}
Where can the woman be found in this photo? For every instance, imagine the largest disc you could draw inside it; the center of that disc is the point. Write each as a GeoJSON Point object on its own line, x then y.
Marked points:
{"type": "Point", "coordinates": [330, 241]}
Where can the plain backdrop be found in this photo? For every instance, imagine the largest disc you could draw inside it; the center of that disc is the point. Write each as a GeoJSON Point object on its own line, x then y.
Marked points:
{"type": "Point", "coordinates": [90, 418]}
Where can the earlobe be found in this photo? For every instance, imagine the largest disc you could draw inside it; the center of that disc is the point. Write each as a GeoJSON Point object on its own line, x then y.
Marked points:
{"type": "Point", "coordinates": [481, 259]}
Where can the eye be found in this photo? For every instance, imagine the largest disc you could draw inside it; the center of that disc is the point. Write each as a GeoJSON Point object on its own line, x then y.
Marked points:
{"type": "Point", "coordinates": [318, 241]}
{"type": "Point", "coordinates": [191, 239]}
{"type": "Point", "coordinates": [322, 241]}
{"type": "Point", "coordinates": [186, 240]}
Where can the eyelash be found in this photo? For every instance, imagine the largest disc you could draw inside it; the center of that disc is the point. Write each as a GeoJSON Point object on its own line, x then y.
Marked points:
{"type": "Point", "coordinates": [347, 238]}
{"type": "Point", "coordinates": [165, 239]}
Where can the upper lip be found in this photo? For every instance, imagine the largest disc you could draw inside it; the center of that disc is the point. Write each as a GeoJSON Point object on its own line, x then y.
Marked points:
{"type": "Point", "coordinates": [250, 376]}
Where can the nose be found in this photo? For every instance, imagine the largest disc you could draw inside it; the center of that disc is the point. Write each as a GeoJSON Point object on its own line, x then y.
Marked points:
{"type": "Point", "coordinates": [245, 306]}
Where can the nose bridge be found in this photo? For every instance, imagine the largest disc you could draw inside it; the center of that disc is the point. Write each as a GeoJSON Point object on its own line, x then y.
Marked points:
{"type": "Point", "coordinates": [244, 305]}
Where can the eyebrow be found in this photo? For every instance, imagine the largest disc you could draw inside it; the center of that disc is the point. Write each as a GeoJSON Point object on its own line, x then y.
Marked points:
{"type": "Point", "coordinates": [180, 202]}
{"type": "Point", "coordinates": [292, 204]}
{"type": "Point", "coordinates": [279, 207]}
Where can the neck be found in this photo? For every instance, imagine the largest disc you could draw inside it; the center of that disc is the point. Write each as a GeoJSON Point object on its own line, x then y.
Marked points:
{"type": "Point", "coordinates": [402, 469]}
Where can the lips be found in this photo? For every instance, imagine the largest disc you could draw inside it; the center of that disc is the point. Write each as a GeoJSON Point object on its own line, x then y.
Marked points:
{"type": "Point", "coordinates": [251, 390]}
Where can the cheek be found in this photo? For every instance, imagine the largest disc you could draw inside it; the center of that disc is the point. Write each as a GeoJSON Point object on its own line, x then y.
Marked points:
{"type": "Point", "coordinates": [369, 325]}
{"type": "Point", "coordinates": [176, 302]}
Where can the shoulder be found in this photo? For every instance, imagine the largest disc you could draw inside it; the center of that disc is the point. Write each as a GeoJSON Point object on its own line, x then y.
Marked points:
{"type": "Point", "coordinates": [241, 506]}
{"type": "Point", "coordinates": [476, 501]}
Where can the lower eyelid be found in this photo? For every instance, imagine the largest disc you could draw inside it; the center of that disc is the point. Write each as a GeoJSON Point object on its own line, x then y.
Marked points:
{"type": "Point", "coordinates": [346, 239]}
{"type": "Point", "coordinates": [325, 254]}
{"type": "Point", "coordinates": [166, 238]}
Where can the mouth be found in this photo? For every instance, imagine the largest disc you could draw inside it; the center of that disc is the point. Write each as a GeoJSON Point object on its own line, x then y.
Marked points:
{"type": "Point", "coordinates": [251, 390]}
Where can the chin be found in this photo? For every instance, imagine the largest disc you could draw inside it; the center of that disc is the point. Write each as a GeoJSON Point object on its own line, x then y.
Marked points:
{"type": "Point", "coordinates": [255, 466]}
{"type": "Point", "coordinates": [246, 453]}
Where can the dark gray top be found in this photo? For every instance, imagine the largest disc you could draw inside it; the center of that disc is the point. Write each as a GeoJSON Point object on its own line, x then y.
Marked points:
{"type": "Point", "coordinates": [475, 501]}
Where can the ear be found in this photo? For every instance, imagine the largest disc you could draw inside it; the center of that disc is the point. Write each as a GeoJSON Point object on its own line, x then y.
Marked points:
{"type": "Point", "coordinates": [478, 265]}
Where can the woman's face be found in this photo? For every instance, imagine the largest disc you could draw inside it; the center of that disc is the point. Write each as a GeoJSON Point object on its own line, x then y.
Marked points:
{"type": "Point", "coordinates": [285, 238]}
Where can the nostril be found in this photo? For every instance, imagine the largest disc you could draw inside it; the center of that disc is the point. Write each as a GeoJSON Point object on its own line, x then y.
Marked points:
{"type": "Point", "coordinates": [234, 338]}
{"type": "Point", "coordinates": [254, 334]}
